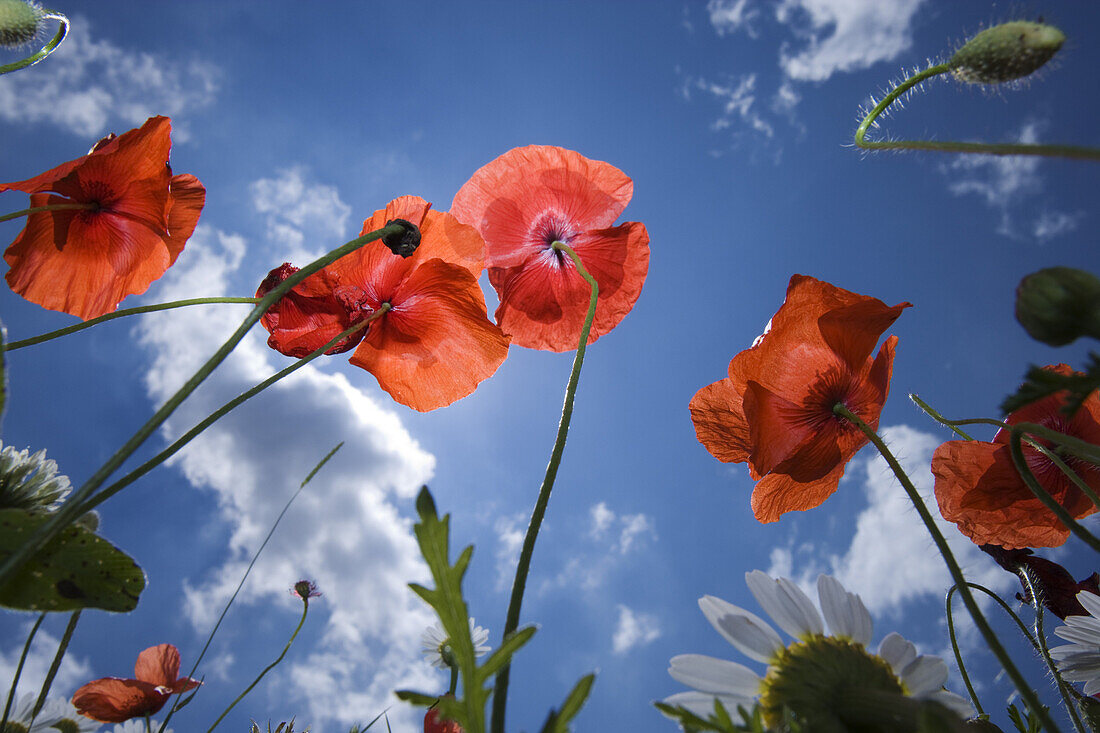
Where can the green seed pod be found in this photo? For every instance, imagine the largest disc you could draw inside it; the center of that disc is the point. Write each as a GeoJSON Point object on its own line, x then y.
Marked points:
{"type": "Point", "coordinates": [20, 22]}
{"type": "Point", "coordinates": [1059, 304]}
{"type": "Point", "coordinates": [1005, 52]}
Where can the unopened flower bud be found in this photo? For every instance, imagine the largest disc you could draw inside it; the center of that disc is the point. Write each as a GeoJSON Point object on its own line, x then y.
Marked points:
{"type": "Point", "coordinates": [1005, 52]}
{"type": "Point", "coordinates": [1056, 305]}
{"type": "Point", "coordinates": [405, 243]}
{"type": "Point", "coordinates": [977, 725]}
{"type": "Point", "coordinates": [20, 22]}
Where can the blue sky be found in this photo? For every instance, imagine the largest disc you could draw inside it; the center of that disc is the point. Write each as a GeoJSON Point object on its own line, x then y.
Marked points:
{"type": "Point", "coordinates": [734, 118]}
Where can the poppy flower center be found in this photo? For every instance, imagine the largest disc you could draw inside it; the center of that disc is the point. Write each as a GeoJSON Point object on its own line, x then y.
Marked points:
{"type": "Point", "coordinates": [550, 227]}
{"type": "Point", "coordinates": [99, 193]}
{"type": "Point", "coordinates": [831, 387]}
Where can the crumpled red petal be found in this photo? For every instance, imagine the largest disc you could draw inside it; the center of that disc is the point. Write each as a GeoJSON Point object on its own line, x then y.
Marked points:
{"type": "Point", "coordinates": [115, 700]}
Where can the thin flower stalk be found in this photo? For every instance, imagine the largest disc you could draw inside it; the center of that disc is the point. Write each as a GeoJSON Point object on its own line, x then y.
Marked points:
{"type": "Point", "coordinates": [68, 512]}
{"type": "Point", "coordinates": [46, 50]}
{"type": "Point", "coordinates": [511, 622]}
{"type": "Point", "coordinates": [62, 647]}
{"type": "Point", "coordinates": [991, 639]}
{"type": "Point", "coordinates": [120, 314]}
{"type": "Point", "coordinates": [19, 671]}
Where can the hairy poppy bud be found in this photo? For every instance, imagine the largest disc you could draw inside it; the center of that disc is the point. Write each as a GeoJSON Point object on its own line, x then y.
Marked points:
{"type": "Point", "coordinates": [1005, 52]}
{"type": "Point", "coordinates": [977, 725]}
{"type": "Point", "coordinates": [405, 243]}
{"type": "Point", "coordinates": [20, 22]}
{"type": "Point", "coordinates": [1056, 305]}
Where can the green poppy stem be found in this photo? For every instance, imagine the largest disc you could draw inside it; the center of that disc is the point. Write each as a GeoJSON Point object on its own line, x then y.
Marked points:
{"type": "Point", "coordinates": [958, 654]}
{"type": "Point", "coordinates": [51, 207]}
{"type": "Point", "coordinates": [1065, 151]}
{"type": "Point", "coordinates": [46, 50]}
{"type": "Point", "coordinates": [122, 314]}
{"type": "Point", "coordinates": [62, 647]}
{"type": "Point", "coordinates": [268, 668]}
{"type": "Point", "coordinates": [68, 511]}
{"type": "Point", "coordinates": [19, 671]}
{"type": "Point", "coordinates": [519, 585]}
{"type": "Point", "coordinates": [957, 577]}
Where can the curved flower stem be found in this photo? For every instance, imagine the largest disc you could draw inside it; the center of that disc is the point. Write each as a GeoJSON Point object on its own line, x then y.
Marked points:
{"type": "Point", "coordinates": [953, 424]}
{"type": "Point", "coordinates": [213, 417]}
{"type": "Point", "coordinates": [1069, 472]}
{"type": "Point", "coordinates": [1020, 461]}
{"type": "Point", "coordinates": [62, 647]}
{"type": "Point", "coordinates": [1066, 151]}
{"type": "Point", "coordinates": [511, 623]}
{"type": "Point", "coordinates": [51, 207]}
{"type": "Point", "coordinates": [957, 577]}
{"type": "Point", "coordinates": [958, 654]}
{"type": "Point", "coordinates": [1044, 650]}
{"type": "Point", "coordinates": [46, 50]}
{"type": "Point", "coordinates": [68, 511]}
{"type": "Point", "coordinates": [255, 557]}
{"type": "Point", "coordinates": [19, 671]}
{"type": "Point", "coordinates": [121, 314]}
{"type": "Point", "coordinates": [268, 668]}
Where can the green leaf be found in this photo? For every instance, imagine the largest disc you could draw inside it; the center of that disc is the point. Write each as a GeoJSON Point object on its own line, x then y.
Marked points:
{"type": "Point", "coordinates": [416, 698]}
{"type": "Point", "coordinates": [1040, 383]}
{"type": "Point", "coordinates": [558, 721]}
{"type": "Point", "coordinates": [76, 569]}
{"type": "Point", "coordinates": [500, 656]}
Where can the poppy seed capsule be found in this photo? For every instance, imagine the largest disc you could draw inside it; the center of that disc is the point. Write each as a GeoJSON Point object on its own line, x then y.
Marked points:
{"type": "Point", "coordinates": [20, 22]}
{"type": "Point", "coordinates": [405, 243]}
{"type": "Point", "coordinates": [1057, 305]}
{"type": "Point", "coordinates": [1005, 52]}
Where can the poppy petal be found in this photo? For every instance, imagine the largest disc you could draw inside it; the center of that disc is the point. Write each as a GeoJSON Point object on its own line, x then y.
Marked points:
{"type": "Point", "coordinates": [437, 344]}
{"type": "Point", "coordinates": [777, 427]}
{"type": "Point", "coordinates": [441, 235]}
{"type": "Point", "coordinates": [777, 493]}
{"type": "Point", "coordinates": [853, 330]}
{"type": "Point", "coordinates": [720, 423]}
{"type": "Point", "coordinates": [158, 665]}
{"type": "Point", "coordinates": [114, 700]}
{"type": "Point", "coordinates": [187, 197]}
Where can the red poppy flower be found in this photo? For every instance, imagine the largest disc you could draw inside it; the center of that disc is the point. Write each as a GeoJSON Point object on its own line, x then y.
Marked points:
{"type": "Point", "coordinates": [435, 344]}
{"type": "Point", "coordinates": [522, 203]}
{"type": "Point", "coordinates": [115, 700]}
{"type": "Point", "coordinates": [1057, 588]}
{"type": "Point", "coordinates": [979, 489]}
{"type": "Point", "coordinates": [775, 409]}
{"type": "Point", "coordinates": [432, 723]}
{"type": "Point", "coordinates": [85, 261]}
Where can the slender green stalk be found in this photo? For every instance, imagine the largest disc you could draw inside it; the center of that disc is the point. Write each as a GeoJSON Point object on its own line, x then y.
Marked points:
{"type": "Point", "coordinates": [511, 622]}
{"type": "Point", "coordinates": [19, 671]}
{"type": "Point", "coordinates": [268, 668]}
{"type": "Point", "coordinates": [51, 207]}
{"type": "Point", "coordinates": [1066, 151]}
{"type": "Point", "coordinates": [121, 314]}
{"type": "Point", "coordinates": [958, 654]}
{"type": "Point", "coordinates": [221, 412]}
{"type": "Point", "coordinates": [957, 577]}
{"type": "Point", "coordinates": [255, 557]}
{"type": "Point", "coordinates": [953, 424]}
{"type": "Point", "coordinates": [1065, 469]}
{"type": "Point", "coordinates": [67, 513]}
{"type": "Point", "coordinates": [1044, 650]}
{"type": "Point", "coordinates": [46, 50]}
{"type": "Point", "coordinates": [62, 647]}
{"type": "Point", "coordinates": [1020, 461]}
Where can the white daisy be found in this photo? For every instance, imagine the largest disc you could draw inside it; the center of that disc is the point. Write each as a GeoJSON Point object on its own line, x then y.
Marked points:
{"type": "Point", "coordinates": [1079, 661]}
{"type": "Point", "coordinates": [809, 675]}
{"type": "Point", "coordinates": [19, 718]}
{"type": "Point", "coordinates": [67, 720]}
{"type": "Point", "coordinates": [435, 639]}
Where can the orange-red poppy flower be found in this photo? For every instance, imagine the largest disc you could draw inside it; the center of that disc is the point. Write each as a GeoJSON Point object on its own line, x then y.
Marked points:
{"type": "Point", "coordinates": [115, 700]}
{"type": "Point", "coordinates": [435, 343]}
{"type": "Point", "coordinates": [312, 313]}
{"type": "Point", "coordinates": [432, 723]}
{"type": "Point", "coordinates": [85, 261]}
{"type": "Point", "coordinates": [1057, 588]}
{"type": "Point", "coordinates": [775, 409]}
{"type": "Point", "coordinates": [979, 489]}
{"type": "Point", "coordinates": [522, 203]}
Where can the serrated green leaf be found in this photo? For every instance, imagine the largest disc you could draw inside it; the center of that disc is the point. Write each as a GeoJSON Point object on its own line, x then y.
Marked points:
{"type": "Point", "coordinates": [574, 702]}
{"type": "Point", "coordinates": [500, 656]}
{"type": "Point", "coordinates": [416, 698]}
{"type": "Point", "coordinates": [76, 569]}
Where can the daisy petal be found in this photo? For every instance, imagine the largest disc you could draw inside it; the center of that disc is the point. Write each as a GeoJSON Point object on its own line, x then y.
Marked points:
{"type": "Point", "coordinates": [897, 651]}
{"type": "Point", "coordinates": [790, 608]}
{"type": "Point", "coordinates": [1090, 601]}
{"type": "Point", "coordinates": [702, 704]}
{"type": "Point", "coordinates": [843, 611]}
{"type": "Point", "coordinates": [717, 676]}
{"type": "Point", "coordinates": [923, 675]}
{"type": "Point", "coordinates": [747, 632]}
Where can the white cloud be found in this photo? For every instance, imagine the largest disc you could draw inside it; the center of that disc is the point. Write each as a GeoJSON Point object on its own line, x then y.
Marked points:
{"type": "Point", "coordinates": [300, 211]}
{"type": "Point", "coordinates": [738, 100]}
{"type": "Point", "coordinates": [891, 559]}
{"type": "Point", "coordinates": [730, 16]}
{"type": "Point", "coordinates": [509, 532]}
{"type": "Point", "coordinates": [602, 517]}
{"type": "Point", "coordinates": [633, 630]}
{"type": "Point", "coordinates": [1052, 224]}
{"type": "Point", "coordinates": [74, 671]}
{"type": "Point", "coordinates": [844, 35]}
{"type": "Point", "coordinates": [87, 86]}
{"type": "Point", "coordinates": [635, 527]}
{"type": "Point", "coordinates": [590, 564]}
{"type": "Point", "coordinates": [345, 531]}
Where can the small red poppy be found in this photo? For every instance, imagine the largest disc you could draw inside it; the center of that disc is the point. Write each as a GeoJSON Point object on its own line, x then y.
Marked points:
{"type": "Point", "coordinates": [432, 723]}
{"type": "Point", "coordinates": [85, 261]}
{"type": "Point", "coordinates": [522, 203]}
{"type": "Point", "coordinates": [115, 700]}
{"type": "Point", "coordinates": [775, 409]}
{"type": "Point", "coordinates": [979, 489]}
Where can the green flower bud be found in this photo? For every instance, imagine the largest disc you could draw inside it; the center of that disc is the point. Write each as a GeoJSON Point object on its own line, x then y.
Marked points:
{"type": "Point", "coordinates": [20, 22]}
{"type": "Point", "coordinates": [1058, 304]}
{"type": "Point", "coordinates": [1005, 52]}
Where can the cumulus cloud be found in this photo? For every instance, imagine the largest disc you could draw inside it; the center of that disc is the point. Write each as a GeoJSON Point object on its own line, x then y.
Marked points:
{"type": "Point", "coordinates": [303, 217]}
{"type": "Point", "coordinates": [88, 86]}
{"type": "Point", "coordinates": [633, 630]}
{"type": "Point", "coordinates": [74, 670]}
{"type": "Point", "coordinates": [891, 559]}
{"type": "Point", "coordinates": [348, 533]}
{"type": "Point", "coordinates": [730, 16]}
